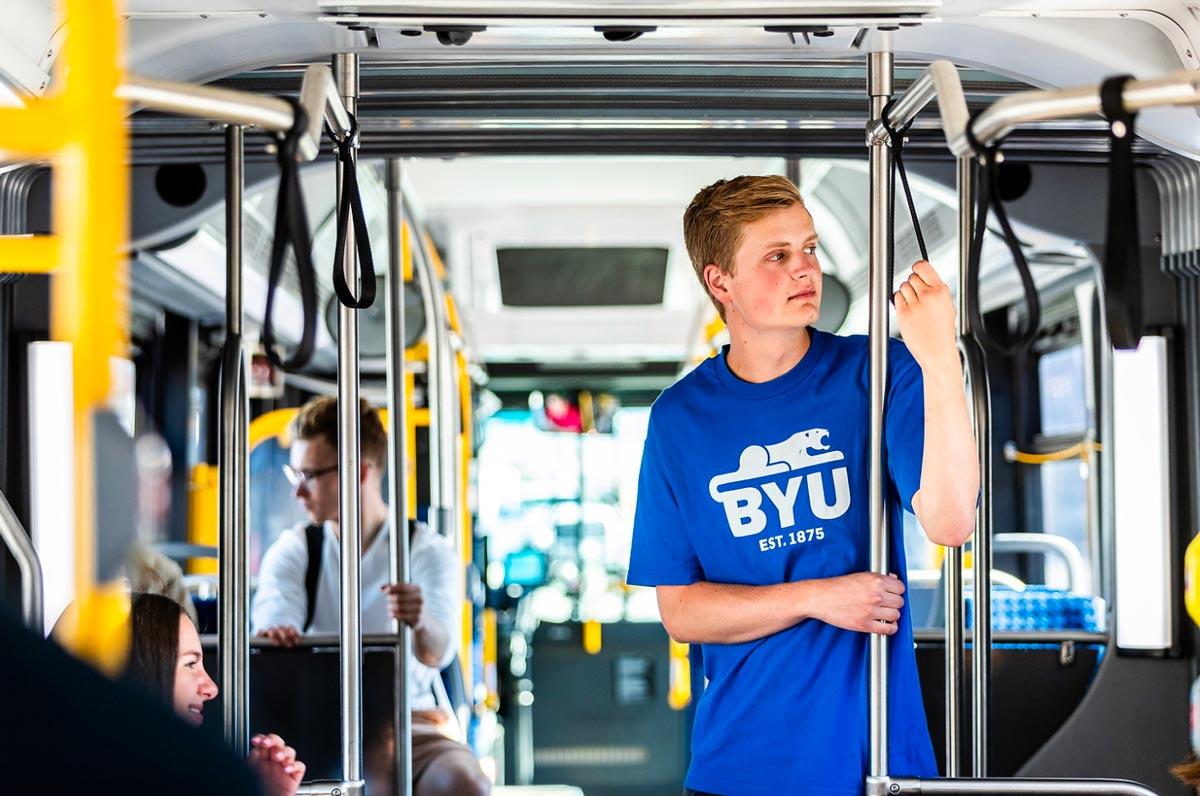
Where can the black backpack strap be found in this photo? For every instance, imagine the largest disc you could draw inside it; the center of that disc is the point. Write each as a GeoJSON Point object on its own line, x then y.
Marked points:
{"type": "Point", "coordinates": [314, 537]}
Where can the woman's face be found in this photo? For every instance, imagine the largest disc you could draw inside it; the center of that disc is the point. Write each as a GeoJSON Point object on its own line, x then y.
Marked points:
{"type": "Point", "coordinates": [193, 686]}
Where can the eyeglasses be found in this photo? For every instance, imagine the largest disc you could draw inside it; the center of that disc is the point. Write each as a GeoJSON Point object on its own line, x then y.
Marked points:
{"type": "Point", "coordinates": [299, 478]}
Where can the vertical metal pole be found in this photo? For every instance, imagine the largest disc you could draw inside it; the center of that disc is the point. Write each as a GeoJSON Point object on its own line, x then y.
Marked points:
{"type": "Point", "coordinates": [975, 368]}
{"type": "Point", "coordinates": [953, 571]}
{"type": "Point", "coordinates": [398, 461]}
{"type": "Point", "coordinates": [345, 67]}
{"type": "Point", "coordinates": [1085, 300]}
{"type": "Point", "coordinates": [434, 303]}
{"type": "Point", "coordinates": [233, 629]}
{"type": "Point", "coordinates": [448, 426]}
{"type": "Point", "coordinates": [879, 87]}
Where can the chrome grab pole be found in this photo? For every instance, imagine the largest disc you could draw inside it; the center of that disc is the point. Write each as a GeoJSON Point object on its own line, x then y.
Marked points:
{"type": "Point", "coordinates": [21, 546]}
{"type": "Point", "coordinates": [349, 464]}
{"type": "Point", "coordinates": [436, 332]}
{"type": "Point", "coordinates": [879, 87]}
{"type": "Point", "coordinates": [980, 405]}
{"type": "Point", "coordinates": [953, 565]}
{"type": "Point", "coordinates": [234, 482]}
{"type": "Point", "coordinates": [398, 463]}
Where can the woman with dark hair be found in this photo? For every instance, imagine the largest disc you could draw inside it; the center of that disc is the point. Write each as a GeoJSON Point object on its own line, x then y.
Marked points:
{"type": "Point", "coordinates": [165, 657]}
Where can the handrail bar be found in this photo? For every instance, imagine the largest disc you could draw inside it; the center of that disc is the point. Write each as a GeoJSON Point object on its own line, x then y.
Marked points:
{"type": "Point", "coordinates": [901, 786]}
{"type": "Point", "coordinates": [1077, 572]}
{"type": "Point", "coordinates": [939, 80]}
{"type": "Point", "coordinates": [12, 532]}
{"type": "Point", "coordinates": [1177, 88]}
{"type": "Point", "coordinates": [318, 96]}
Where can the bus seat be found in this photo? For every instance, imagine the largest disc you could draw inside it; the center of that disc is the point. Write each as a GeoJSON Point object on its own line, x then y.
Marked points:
{"type": "Point", "coordinates": [1042, 608]}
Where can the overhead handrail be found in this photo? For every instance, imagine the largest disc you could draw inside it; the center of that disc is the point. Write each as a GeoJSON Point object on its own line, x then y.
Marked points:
{"type": "Point", "coordinates": [21, 547]}
{"type": "Point", "coordinates": [318, 97]}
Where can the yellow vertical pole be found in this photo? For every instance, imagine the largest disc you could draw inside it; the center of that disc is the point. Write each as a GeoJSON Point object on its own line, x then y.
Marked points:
{"type": "Point", "coordinates": [81, 128]}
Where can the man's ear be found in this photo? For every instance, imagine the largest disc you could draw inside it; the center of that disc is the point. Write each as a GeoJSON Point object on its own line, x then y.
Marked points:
{"type": "Point", "coordinates": [715, 280]}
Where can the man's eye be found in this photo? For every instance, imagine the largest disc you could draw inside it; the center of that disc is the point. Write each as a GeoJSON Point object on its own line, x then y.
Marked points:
{"type": "Point", "coordinates": [811, 250]}
{"type": "Point", "coordinates": [776, 257]}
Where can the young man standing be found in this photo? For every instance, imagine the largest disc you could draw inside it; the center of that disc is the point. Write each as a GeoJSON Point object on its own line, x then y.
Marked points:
{"type": "Point", "coordinates": [753, 497]}
{"type": "Point", "coordinates": [431, 604]}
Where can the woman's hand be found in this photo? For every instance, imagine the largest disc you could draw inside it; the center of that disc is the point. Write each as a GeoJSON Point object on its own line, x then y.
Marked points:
{"type": "Point", "coordinates": [276, 765]}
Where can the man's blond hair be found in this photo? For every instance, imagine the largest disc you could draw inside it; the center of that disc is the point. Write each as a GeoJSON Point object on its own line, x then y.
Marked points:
{"type": "Point", "coordinates": [319, 418]}
{"type": "Point", "coordinates": [714, 221]}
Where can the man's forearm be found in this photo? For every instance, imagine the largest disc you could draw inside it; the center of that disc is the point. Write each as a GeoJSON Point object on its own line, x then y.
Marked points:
{"type": "Point", "coordinates": [945, 504]}
{"type": "Point", "coordinates": [725, 613]}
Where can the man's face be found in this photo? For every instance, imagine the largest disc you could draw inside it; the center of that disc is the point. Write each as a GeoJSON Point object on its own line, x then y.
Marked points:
{"type": "Point", "coordinates": [318, 494]}
{"type": "Point", "coordinates": [776, 280]}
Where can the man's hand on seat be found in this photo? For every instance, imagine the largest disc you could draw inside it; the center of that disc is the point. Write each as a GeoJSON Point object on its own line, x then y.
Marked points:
{"type": "Point", "coordinates": [281, 635]}
{"type": "Point", "coordinates": [405, 603]}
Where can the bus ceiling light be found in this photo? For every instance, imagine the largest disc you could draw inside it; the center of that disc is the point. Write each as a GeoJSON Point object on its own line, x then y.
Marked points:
{"type": "Point", "coordinates": [1140, 450]}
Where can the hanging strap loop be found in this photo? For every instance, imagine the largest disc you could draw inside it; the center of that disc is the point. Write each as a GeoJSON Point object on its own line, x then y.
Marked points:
{"type": "Point", "coordinates": [1121, 269]}
{"type": "Point", "coordinates": [988, 198]}
{"type": "Point", "coordinates": [291, 228]}
{"type": "Point", "coordinates": [350, 206]}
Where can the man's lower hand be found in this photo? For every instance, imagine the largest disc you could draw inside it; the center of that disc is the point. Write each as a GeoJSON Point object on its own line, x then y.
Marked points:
{"type": "Point", "coordinates": [864, 601]}
{"type": "Point", "coordinates": [405, 603]}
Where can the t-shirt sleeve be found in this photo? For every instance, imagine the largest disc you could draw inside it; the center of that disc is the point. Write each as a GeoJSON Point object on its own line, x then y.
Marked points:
{"type": "Point", "coordinates": [905, 424]}
{"type": "Point", "coordinates": [662, 552]}
{"type": "Point", "coordinates": [280, 598]}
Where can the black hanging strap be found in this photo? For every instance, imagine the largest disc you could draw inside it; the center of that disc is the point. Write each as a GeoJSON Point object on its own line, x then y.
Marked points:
{"type": "Point", "coordinates": [898, 139]}
{"type": "Point", "coordinates": [987, 197]}
{"type": "Point", "coordinates": [314, 541]}
{"type": "Point", "coordinates": [351, 206]}
{"type": "Point", "coordinates": [1122, 261]}
{"type": "Point", "coordinates": [291, 227]}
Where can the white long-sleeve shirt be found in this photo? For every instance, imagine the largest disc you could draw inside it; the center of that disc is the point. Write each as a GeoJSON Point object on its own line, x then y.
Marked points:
{"type": "Point", "coordinates": [280, 598]}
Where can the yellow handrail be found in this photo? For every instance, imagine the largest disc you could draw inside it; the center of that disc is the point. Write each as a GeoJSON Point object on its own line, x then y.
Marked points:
{"type": "Point", "coordinates": [80, 127]}
{"type": "Point", "coordinates": [1080, 450]}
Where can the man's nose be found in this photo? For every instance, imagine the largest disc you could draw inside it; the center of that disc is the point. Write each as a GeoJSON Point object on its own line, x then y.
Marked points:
{"type": "Point", "coordinates": [301, 489]}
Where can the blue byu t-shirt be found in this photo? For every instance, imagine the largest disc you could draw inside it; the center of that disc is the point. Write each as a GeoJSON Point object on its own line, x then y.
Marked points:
{"type": "Point", "coordinates": [768, 483]}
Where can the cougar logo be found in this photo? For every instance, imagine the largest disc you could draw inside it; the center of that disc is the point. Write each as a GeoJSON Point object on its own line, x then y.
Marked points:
{"type": "Point", "coordinates": [802, 450]}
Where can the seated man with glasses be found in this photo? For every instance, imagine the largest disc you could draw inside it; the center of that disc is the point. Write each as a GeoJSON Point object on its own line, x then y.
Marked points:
{"type": "Point", "coordinates": [299, 585]}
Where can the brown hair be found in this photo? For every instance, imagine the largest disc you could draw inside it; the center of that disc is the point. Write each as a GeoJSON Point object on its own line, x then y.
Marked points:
{"type": "Point", "coordinates": [319, 418]}
{"type": "Point", "coordinates": [1188, 772]}
{"type": "Point", "coordinates": [713, 222]}
{"type": "Point", "coordinates": [154, 650]}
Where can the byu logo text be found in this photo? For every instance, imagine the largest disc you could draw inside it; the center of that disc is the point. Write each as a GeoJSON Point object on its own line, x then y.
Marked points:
{"type": "Point", "coordinates": [744, 505]}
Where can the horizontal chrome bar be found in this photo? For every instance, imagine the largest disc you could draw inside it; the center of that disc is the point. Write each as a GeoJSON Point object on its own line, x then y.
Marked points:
{"type": "Point", "coordinates": [318, 96]}
{"type": "Point", "coordinates": [217, 104]}
{"type": "Point", "coordinates": [939, 80]}
{"type": "Point", "coordinates": [355, 788]}
{"type": "Point", "coordinates": [1030, 787]}
{"type": "Point", "coordinates": [330, 640]}
{"type": "Point", "coordinates": [1177, 88]}
{"type": "Point", "coordinates": [1021, 636]}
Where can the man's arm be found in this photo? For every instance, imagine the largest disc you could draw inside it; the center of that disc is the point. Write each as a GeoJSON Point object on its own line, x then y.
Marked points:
{"type": "Point", "coordinates": [725, 613]}
{"type": "Point", "coordinates": [945, 503]}
{"type": "Point", "coordinates": [431, 604]}
{"type": "Point", "coordinates": [277, 610]}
